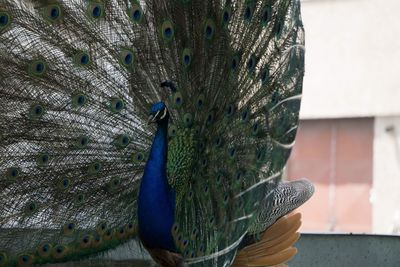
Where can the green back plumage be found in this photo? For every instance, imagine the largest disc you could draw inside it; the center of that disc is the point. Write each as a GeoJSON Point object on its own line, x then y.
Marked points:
{"type": "Point", "coordinates": [182, 158]}
{"type": "Point", "coordinates": [76, 81]}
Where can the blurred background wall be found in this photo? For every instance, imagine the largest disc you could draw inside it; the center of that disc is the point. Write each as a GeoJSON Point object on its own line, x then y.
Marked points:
{"type": "Point", "coordinates": [348, 141]}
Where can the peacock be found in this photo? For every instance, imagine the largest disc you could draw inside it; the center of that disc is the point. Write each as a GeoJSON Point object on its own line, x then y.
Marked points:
{"type": "Point", "coordinates": [165, 121]}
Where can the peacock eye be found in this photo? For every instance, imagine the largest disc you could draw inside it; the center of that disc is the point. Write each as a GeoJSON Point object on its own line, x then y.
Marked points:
{"type": "Point", "coordinates": [278, 28]}
{"type": "Point", "coordinates": [12, 173]}
{"type": "Point", "coordinates": [251, 64]}
{"type": "Point", "coordinates": [37, 68]}
{"type": "Point", "coordinates": [82, 59]}
{"type": "Point", "coordinates": [45, 248]}
{"type": "Point", "coordinates": [52, 13]}
{"type": "Point", "coordinates": [209, 29]}
{"type": "Point", "coordinates": [25, 258]}
{"type": "Point", "coordinates": [122, 141]}
{"type": "Point", "coordinates": [96, 10]}
{"type": "Point", "coordinates": [266, 15]}
{"type": "Point", "coordinates": [136, 13]}
{"type": "Point", "coordinates": [226, 16]}
{"type": "Point", "coordinates": [127, 58]}
{"type": "Point", "coordinates": [5, 20]}
{"type": "Point", "coordinates": [117, 105]}
{"type": "Point", "coordinates": [247, 13]}
{"type": "Point", "coordinates": [186, 57]}
{"type": "Point", "coordinates": [167, 30]}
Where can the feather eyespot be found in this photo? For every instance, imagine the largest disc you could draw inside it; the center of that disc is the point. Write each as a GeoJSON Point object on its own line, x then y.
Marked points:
{"type": "Point", "coordinates": [31, 207]}
{"type": "Point", "coordinates": [25, 260]}
{"type": "Point", "coordinates": [226, 16]}
{"type": "Point", "coordinates": [219, 178]}
{"type": "Point", "coordinates": [210, 118]}
{"type": "Point", "coordinates": [137, 157]}
{"type": "Point", "coordinates": [82, 59]}
{"type": "Point", "coordinates": [188, 119]}
{"type": "Point", "coordinates": [37, 68]}
{"type": "Point", "coordinates": [52, 13]}
{"type": "Point", "coordinates": [175, 229]}
{"type": "Point", "coordinates": [245, 116]}
{"type": "Point", "coordinates": [232, 152]}
{"type": "Point", "coordinates": [136, 13]}
{"type": "Point", "coordinates": [256, 129]}
{"type": "Point", "coordinates": [226, 198]}
{"type": "Point", "coordinates": [12, 173]}
{"type": "Point", "coordinates": [117, 105]}
{"type": "Point", "coordinates": [279, 25]}
{"type": "Point", "coordinates": [200, 101]}
{"type": "Point", "coordinates": [229, 110]}
{"type": "Point", "coordinates": [218, 142]}
{"type": "Point", "coordinates": [70, 226]}
{"type": "Point", "coordinates": [36, 112]}
{"type": "Point", "coordinates": [172, 131]}
{"type": "Point", "coordinates": [122, 141]}
{"type": "Point", "coordinates": [260, 155]}
{"type": "Point", "coordinates": [238, 175]}
{"type": "Point", "coordinates": [234, 63]}
{"type": "Point", "coordinates": [5, 20]}
{"type": "Point", "coordinates": [97, 239]}
{"type": "Point", "coordinates": [127, 58]}
{"type": "Point", "coordinates": [177, 99]}
{"type": "Point", "coordinates": [113, 185]}
{"type": "Point", "coordinates": [94, 168]}
{"type": "Point", "coordinates": [43, 159]}
{"type": "Point", "coordinates": [82, 142]}
{"type": "Point", "coordinates": [264, 76]}
{"type": "Point", "coordinates": [251, 64]}
{"type": "Point", "coordinates": [209, 29]}
{"type": "Point", "coordinates": [167, 30]}
{"type": "Point", "coordinates": [96, 10]}
{"type": "Point", "coordinates": [266, 15]}
{"type": "Point", "coordinates": [44, 250]}
{"type": "Point", "coordinates": [78, 100]}
{"type": "Point", "coordinates": [248, 12]}
{"type": "Point", "coordinates": [60, 251]}
{"type": "Point", "coordinates": [65, 183]}
{"type": "Point", "coordinates": [186, 57]}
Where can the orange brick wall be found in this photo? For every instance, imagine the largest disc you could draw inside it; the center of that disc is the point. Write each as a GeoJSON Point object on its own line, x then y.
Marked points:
{"type": "Point", "coordinates": [336, 155]}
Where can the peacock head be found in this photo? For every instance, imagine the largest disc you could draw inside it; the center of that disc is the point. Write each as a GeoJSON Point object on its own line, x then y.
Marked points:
{"type": "Point", "coordinates": [158, 113]}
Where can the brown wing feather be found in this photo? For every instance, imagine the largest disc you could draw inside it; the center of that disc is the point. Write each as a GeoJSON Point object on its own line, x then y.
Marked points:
{"type": "Point", "coordinates": [166, 258]}
{"type": "Point", "coordinates": [276, 245]}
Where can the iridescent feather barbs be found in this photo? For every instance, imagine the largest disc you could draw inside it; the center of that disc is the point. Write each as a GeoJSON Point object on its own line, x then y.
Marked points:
{"type": "Point", "coordinates": [82, 171]}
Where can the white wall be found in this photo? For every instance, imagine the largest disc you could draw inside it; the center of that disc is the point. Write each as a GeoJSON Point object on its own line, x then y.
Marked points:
{"type": "Point", "coordinates": [353, 70]}
{"type": "Point", "coordinates": [352, 58]}
{"type": "Point", "coordinates": [385, 195]}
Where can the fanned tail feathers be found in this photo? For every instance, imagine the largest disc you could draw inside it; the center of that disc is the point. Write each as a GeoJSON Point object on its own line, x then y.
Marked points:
{"type": "Point", "coordinates": [77, 79]}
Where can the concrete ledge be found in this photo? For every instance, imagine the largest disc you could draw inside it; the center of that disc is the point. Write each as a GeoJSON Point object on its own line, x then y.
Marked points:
{"type": "Point", "coordinates": [315, 250]}
{"type": "Point", "coordinates": [347, 250]}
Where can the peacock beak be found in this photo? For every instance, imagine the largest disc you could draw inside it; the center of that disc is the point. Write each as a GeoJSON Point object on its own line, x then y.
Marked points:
{"type": "Point", "coordinates": [152, 119]}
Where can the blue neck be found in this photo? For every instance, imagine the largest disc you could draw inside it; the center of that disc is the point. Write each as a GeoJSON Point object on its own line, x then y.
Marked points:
{"type": "Point", "coordinates": [156, 205]}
